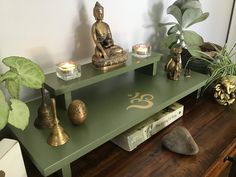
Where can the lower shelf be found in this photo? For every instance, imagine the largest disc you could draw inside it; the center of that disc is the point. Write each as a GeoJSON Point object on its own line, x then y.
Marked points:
{"type": "Point", "coordinates": [111, 111]}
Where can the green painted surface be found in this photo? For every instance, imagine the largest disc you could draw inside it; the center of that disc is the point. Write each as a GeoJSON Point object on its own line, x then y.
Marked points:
{"type": "Point", "coordinates": [107, 115]}
{"type": "Point", "coordinates": [90, 75]}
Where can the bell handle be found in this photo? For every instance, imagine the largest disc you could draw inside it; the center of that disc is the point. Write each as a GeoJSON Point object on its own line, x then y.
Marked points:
{"type": "Point", "coordinates": [53, 102]}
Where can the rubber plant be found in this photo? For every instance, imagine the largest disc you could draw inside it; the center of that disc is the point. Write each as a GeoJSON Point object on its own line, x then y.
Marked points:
{"type": "Point", "coordinates": [22, 72]}
{"type": "Point", "coordinates": [186, 14]}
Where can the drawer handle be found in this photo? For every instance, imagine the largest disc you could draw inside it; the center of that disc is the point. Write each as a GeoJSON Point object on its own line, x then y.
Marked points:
{"type": "Point", "coordinates": [231, 159]}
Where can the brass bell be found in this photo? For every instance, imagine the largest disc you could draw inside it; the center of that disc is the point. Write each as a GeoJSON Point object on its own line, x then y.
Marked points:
{"type": "Point", "coordinates": [58, 136]}
{"type": "Point", "coordinates": [45, 114]}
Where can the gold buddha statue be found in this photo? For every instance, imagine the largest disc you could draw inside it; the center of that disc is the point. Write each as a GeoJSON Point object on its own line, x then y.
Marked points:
{"type": "Point", "coordinates": [107, 54]}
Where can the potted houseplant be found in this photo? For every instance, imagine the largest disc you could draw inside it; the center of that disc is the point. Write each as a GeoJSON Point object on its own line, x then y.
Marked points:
{"type": "Point", "coordinates": [22, 72]}
{"type": "Point", "coordinates": [186, 14]}
{"type": "Point", "coordinates": [222, 71]}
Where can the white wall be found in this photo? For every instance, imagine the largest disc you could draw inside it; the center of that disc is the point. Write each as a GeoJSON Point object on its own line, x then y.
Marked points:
{"type": "Point", "coordinates": [51, 31]}
{"type": "Point", "coordinates": [232, 33]}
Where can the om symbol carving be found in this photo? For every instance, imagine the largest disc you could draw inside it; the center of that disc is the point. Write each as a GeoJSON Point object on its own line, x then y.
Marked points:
{"type": "Point", "coordinates": [140, 101]}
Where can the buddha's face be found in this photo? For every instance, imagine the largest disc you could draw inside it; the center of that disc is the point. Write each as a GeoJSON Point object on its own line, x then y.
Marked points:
{"type": "Point", "coordinates": [98, 13]}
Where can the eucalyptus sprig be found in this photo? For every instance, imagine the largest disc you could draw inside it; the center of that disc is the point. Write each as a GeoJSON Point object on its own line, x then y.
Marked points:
{"type": "Point", "coordinates": [22, 72]}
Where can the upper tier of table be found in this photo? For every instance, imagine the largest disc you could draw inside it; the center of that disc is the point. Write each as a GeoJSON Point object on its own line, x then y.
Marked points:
{"type": "Point", "coordinates": [91, 75]}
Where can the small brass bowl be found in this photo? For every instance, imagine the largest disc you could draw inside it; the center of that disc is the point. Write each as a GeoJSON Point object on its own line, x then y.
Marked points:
{"type": "Point", "coordinates": [77, 112]}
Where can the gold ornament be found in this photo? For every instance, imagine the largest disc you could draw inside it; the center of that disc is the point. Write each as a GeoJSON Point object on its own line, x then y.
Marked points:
{"type": "Point", "coordinates": [77, 112]}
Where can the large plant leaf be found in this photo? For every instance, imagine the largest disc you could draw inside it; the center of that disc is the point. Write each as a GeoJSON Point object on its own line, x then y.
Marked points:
{"type": "Point", "coordinates": [19, 114]}
{"type": "Point", "coordinates": [191, 38]}
{"type": "Point", "coordinates": [29, 73]}
{"type": "Point", "coordinates": [203, 17]}
{"type": "Point", "coordinates": [181, 3]}
{"type": "Point", "coordinates": [166, 24]}
{"type": "Point", "coordinates": [8, 75]}
{"type": "Point", "coordinates": [169, 40]}
{"type": "Point", "coordinates": [189, 16]}
{"type": "Point", "coordinates": [13, 87]}
{"type": "Point", "coordinates": [4, 111]}
{"type": "Point", "coordinates": [174, 29]}
{"type": "Point", "coordinates": [176, 12]}
{"type": "Point", "coordinates": [191, 4]}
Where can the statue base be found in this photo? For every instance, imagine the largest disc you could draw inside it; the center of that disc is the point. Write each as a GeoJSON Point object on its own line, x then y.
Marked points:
{"type": "Point", "coordinates": [112, 62]}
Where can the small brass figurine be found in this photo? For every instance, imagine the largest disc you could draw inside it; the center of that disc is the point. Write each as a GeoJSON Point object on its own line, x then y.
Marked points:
{"type": "Point", "coordinates": [2, 173]}
{"type": "Point", "coordinates": [107, 54]}
{"type": "Point", "coordinates": [225, 91]}
{"type": "Point", "coordinates": [45, 114]}
{"type": "Point", "coordinates": [58, 136]}
{"type": "Point", "coordinates": [77, 112]}
{"type": "Point", "coordinates": [173, 67]}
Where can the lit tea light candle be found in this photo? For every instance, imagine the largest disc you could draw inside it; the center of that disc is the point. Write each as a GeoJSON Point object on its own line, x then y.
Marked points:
{"type": "Point", "coordinates": [68, 70]}
{"type": "Point", "coordinates": [141, 50]}
{"type": "Point", "coordinates": [67, 66]}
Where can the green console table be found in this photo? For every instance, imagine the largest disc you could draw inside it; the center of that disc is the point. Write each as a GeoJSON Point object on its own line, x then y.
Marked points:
{"type": "Point", "coordinates": [90, 75]}
{"type": "Point", "coordinates": [111, 111]}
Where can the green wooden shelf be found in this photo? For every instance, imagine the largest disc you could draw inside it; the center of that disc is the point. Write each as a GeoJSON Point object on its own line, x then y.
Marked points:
{"type": "Point", "coordinates": [108, 116]}
{"type": "Point", "coordinates": [91, 75]}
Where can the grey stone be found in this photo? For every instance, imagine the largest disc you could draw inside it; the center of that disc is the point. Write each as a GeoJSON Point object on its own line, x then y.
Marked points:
{"type": "Point", "coordinates": [179, 140]}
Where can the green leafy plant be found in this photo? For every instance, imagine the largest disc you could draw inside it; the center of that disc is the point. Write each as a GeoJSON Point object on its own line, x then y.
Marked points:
{"type": "Point", "coordinates": [220, 64]}
{"type": "Point", "coordinates": [22, 72]}
{"type": "Point", "coordinates": [186, 14]}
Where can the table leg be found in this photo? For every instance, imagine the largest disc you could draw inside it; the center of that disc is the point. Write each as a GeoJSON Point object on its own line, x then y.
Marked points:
{"type": "Point", "coordinates": [67, 99]}
{"type": "Point", "coordinates": [154, 69]}
{"type": "Point", "coordinates": [149, 69]}
{"type": "Point", "coordinates": [66, 171]}
{"type": "Point", "coordinates": [199, 93]}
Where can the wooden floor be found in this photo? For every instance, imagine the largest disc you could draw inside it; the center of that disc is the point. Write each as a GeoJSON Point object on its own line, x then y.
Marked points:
{"type": "Point", "coordinates": [212, 126]}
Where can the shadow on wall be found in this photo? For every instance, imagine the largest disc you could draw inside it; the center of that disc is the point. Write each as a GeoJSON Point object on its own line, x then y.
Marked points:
{"type": "Point", "coordinates": [42, 57]}
{"type": "Point", "coordinates": [83, 47]}
{"type": "Point", "coordinates": [159, 33]}
{"type": "Point", "coordinates": [155, 15]}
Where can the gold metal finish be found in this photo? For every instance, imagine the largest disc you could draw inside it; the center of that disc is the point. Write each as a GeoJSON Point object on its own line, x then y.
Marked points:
{"type": "Point", "coordinates": [77, 112]}
{"type": "Point", "coordinates": [173, 67]}
{"type": "Point", "coordinates": [2, 173]}
{"type": "Point", "coordinates": [225, 91]}
{"type": "Point", "coordinates": [58, 136]}
{"type": "Point", "coordinates": [106, 52]}
{"type": "Point", "coordinates": [45, 114]}
{"type": "Point", "coordinates": [141, 101]}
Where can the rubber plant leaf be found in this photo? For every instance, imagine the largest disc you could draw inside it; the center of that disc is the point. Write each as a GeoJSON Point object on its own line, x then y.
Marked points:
{"type": "Point", "coordinates": [13, 87]}
{"type": "Point", "coordinates": [176, 12]}
{"type": "Point", "coordinates": [189, 16]}
{"type": "Point", "coordinates": [29, 73]}
{"type": "Point", "coordinates": [181, 3]}
{"type": "Point", "coordinates": [19, 114]}
{"type": "Point", "coordinates": [203, 17]}
{"type": "Point", "coordinates": [4, 111]}
{"type": "Point", "coordinates": [191, 38]}
{"type": "Point", "coordinates": [169, 40]}
{"type": "Point", "coordinates": [191, 4]}
{"type": "Point", "coordinates": [166, 24]}
{"type": "Point", "coordinates": [173, 29]}
{"type": "Point", "coordinates": [8, 75]}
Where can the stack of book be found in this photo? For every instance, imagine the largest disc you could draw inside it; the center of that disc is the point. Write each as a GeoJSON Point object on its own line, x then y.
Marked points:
{"type": "Point", "coordinates": [133, 137]}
